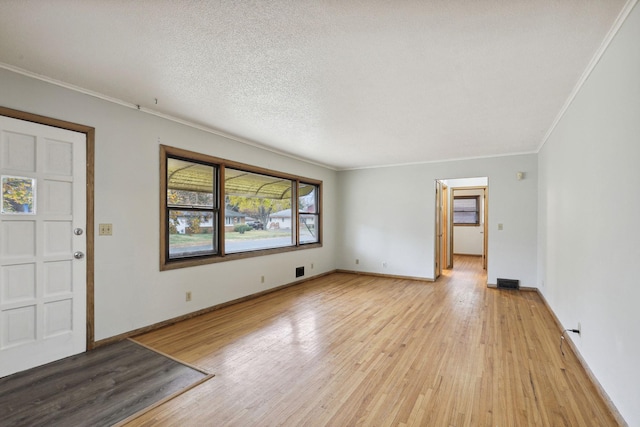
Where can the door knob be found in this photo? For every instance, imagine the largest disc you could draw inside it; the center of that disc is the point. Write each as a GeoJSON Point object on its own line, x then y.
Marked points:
{"type": "Point", "coordinates": [78, 255]}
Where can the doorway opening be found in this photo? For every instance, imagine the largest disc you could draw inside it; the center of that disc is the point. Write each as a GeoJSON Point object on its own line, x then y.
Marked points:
{"type": "Point", "coordinates": [461, 221]}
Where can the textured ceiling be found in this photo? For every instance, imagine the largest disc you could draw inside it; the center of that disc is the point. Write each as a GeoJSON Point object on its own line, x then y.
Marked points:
{"type": "Point", "coordinates": [344, 83]}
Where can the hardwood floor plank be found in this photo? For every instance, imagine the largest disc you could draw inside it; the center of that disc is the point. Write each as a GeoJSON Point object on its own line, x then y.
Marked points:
{"type": "Point", "coordinates": [349, 349]}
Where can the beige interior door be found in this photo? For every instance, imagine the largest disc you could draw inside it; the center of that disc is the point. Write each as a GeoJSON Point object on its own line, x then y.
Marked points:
{"type": "Point", "coordinates": [485, 230]}
{"type": "Point", "coordinates": [444, 226]}
{"type": "Point", "coordinates": [42, 244]}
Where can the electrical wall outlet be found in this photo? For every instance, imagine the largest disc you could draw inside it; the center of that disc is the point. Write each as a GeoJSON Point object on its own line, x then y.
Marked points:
{"type": "Point", "coordinates": [357, 261]}
{"type": "Point", "coordinates": [187, 296]}
{"type": "Point", "coordinates": [105, 229]}
{"type": "Point", "coordinates": [261, 279]}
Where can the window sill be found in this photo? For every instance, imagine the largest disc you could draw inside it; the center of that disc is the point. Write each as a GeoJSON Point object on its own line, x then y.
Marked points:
{"type": "Point", "coordinates": [214, 259]}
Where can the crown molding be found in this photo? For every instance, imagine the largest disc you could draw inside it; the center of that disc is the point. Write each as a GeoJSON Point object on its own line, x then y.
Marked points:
{"type": "Point", "coordinates": [617, 24]}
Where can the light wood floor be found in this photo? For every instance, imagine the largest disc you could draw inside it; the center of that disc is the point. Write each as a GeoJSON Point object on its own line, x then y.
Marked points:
{"type": "Point", "coordinates": [357, 350]}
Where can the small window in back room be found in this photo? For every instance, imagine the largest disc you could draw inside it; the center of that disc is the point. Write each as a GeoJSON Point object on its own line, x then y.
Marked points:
{"type": "Point", "coordinates": [466, 210]}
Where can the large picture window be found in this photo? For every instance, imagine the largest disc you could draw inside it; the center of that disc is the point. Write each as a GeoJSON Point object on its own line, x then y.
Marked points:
{"type": "Point", "coordinates": [265, 205]}
{"type": "Point", "coordinates": [214, 210]}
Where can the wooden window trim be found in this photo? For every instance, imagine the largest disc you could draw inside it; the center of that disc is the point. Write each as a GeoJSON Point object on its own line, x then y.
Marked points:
{"type": "Point", "coordinates": [171, 264]}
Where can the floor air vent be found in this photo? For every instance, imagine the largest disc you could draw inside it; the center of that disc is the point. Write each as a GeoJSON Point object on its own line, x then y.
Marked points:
{"type": "Point", "coordinates": [508, 284]}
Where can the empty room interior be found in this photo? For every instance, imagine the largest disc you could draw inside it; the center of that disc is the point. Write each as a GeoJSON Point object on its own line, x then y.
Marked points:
{"type": "Point", "coordinates": [330, 213]}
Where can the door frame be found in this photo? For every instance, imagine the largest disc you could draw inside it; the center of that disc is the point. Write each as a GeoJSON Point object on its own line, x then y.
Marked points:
{"type": "Point", "coordinates": [444, 252]}
{"type": "Point", "coordinates": [485, 230]}
{"type": "Point", "coordinates": [485, 217]}
{"type": "Point", "coordinates": [437, 259]}
{"type": "Point", "coordinates": [448, 212]}
{"type": "Point", "coordinates": [90, 161]}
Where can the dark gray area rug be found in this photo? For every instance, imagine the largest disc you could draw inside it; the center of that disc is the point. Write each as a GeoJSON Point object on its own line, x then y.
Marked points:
{"type": "Point", "coordinates": [96, 388]}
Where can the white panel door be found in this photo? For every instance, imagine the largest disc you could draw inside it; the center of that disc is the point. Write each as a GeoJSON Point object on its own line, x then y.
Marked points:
{"type": "Point", "coordinates": [42, 244]}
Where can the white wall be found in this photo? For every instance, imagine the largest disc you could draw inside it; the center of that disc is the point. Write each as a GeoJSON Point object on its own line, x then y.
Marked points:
{"type": "Point", "coordinates": [589, 239]}
{"type": "Point", "coordinates": [469, 239]}
{"type": "Point", "coordinates": [388, 216]}
{"type": "Point", "coordinates": [130, 291]}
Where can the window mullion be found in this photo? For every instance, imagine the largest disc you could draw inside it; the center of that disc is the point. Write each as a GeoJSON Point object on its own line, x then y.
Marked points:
{"type": "Point", "coordinates": [222, 207]}
{"type": "Point", "coordinates": [295, 226]}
